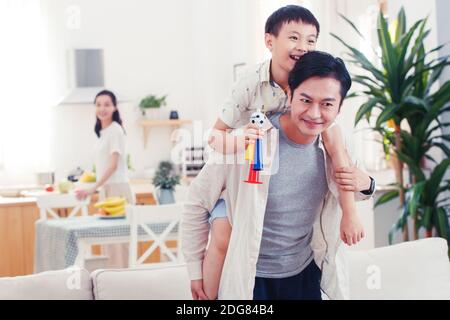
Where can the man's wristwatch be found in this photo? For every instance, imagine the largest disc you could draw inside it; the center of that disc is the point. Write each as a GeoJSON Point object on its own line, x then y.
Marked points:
{"type": "Point", "coordinates": [371, 189]}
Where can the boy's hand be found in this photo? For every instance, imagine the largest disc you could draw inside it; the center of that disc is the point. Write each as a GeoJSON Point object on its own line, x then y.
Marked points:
{"type": "Point", "coordinates": [352, 230]}
{"type": "Point", "coordinates": [251, 133]}
{"type": "Point", "coordinates": [197, 290]}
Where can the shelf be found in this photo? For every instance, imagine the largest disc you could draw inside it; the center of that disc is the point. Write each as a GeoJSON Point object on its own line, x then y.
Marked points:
{"type": "Point", "coordinates": [148, 124]}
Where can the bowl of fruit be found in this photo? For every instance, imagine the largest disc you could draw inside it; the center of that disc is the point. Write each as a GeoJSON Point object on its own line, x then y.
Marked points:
{"type": "Point", "coordinates": [86, 180]}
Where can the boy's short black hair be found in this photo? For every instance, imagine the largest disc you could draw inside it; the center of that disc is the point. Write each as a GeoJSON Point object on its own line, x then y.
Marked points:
{"type": "Point", "coordinates": [287, 14]}
{"type": "Point", "coordinates": [322, 65]}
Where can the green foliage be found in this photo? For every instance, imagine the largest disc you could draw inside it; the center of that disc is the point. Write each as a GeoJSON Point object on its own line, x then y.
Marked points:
{"type": "Point", "coordinates": [129, 163]}
{"type": "Point", "coordinates": [165, 177]}
{"type": "Point", "coordinates": [400, 89]}
{"type": "Point", "coordinates": [152, 101]}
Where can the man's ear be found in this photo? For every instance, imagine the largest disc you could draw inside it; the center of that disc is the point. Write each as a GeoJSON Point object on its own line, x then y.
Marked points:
{"type": "Point", "coordinates": [289, 97]}
{"type": "Point", "coordinates": [340, 105]}
{"type": "Point", "coordinates": [268, 39]}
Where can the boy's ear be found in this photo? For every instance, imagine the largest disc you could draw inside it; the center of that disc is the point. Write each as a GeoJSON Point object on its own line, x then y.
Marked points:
{"type": "Point", "coordinates": [268, 39]}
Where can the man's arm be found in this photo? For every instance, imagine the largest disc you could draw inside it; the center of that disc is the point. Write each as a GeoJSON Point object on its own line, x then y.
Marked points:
{"type": "Point", "coordinates": [353, 178]}
{"type": "Point", "coordinates": [203, 194]}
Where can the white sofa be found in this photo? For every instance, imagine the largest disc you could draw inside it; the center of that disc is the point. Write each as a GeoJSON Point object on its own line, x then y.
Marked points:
{"type": "Point", "coordinates": [412, 270]}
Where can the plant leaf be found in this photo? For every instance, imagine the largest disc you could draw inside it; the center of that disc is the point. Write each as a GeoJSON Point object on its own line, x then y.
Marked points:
{"type": "Point", "coordinates": [388, 196]}
{"type": "Point", "coordinates": [435, 179]}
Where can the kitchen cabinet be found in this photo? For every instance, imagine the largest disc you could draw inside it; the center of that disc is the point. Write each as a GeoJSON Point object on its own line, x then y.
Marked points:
{"type": "Point", "coordinates": [17, 237]}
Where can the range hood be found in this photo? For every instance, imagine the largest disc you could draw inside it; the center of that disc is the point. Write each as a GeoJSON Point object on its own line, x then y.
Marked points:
{"type": "Point", "coordinates": [85, 70]}
{"type": "Point", "coordinates": [81, 96]}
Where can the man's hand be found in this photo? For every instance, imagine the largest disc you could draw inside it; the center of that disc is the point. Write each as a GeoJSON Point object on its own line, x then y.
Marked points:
{"type": "Point", "coordinates": [351, 229]}
{"type": "Point", "coordinates": [197, 290]}
{"type": "Point", "coordinates": [352, 179]}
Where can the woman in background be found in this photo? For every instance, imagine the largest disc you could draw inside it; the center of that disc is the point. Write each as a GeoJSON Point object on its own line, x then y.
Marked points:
{"type": "Point", "coordinates": [110, 164]}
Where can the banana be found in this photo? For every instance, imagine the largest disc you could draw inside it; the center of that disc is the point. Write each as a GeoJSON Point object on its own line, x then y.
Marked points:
{"type": "Point", "coordinates": [119, 210]}
{"type": "Point", "coordinates": [110, 202]}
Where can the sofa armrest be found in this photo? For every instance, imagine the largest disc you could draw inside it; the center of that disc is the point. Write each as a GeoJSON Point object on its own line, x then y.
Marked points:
{"type": "Point", "coordinates": [159, 282]}
{"type": "Point", "coordinates": [411, 270]}
{"type": "Point", "coordinates": [67, 284]}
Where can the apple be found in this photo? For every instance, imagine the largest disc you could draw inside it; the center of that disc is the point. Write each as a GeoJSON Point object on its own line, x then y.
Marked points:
{"type": "Point", "coordinates": [49, 188]}
{"type": "Point", "coordinates": [65, 186]}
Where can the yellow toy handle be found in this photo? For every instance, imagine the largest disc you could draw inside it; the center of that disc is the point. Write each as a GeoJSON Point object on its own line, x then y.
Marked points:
{"type": "Point", "coordinates": [250, 152]}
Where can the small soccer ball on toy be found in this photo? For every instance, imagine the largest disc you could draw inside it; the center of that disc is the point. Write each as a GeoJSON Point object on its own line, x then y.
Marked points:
{"type": "Point", "coordinates": [258, 118]}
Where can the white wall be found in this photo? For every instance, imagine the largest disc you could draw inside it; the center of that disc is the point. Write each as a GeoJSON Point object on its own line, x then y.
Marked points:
{"type": "Point", "coordinates": [185, 49]}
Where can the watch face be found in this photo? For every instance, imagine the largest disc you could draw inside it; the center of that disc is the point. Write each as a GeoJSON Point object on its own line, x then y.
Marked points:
{"type": "Point", "coordinates": [372, 185]}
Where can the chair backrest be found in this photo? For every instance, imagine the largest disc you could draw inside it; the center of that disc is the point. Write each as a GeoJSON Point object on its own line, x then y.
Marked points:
{"type": "Point", "coordinates": [48, 202]}
{"type": "Point", "coordinates": [180, 193]}
{"type": "Point", "coordinates": [166, 217]}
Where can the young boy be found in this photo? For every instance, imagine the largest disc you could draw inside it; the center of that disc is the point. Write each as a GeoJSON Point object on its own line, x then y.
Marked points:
{"type": "Point", "coordinates": [290, 32]}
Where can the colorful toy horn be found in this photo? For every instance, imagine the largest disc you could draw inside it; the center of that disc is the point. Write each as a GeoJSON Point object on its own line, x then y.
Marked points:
{"type": "Point", "coordinates": [257, 160]}
{"type": "Point", "coordinates": [254, 151]}
{"type": "Point", "coordinates": [250, 152]}
{"type": "Point", "coordinates": [253, 176]}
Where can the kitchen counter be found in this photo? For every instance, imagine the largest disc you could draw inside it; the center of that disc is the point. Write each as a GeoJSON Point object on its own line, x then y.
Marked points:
{"type": "Point", "coordinates": [139, 187]}
{"type": "Point", "coordinates": [13, 201]}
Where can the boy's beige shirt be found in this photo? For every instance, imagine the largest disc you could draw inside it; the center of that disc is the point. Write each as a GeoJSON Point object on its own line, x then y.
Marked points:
{"type": "Point", "coordinates": [253, 91]}
{"type": "Point", "coordinates": [246, 206]}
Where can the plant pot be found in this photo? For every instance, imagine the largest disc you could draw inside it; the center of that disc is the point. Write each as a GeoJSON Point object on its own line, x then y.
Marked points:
{"type": "Point", "coordinates": [153, 113]}
{"type": "Point", "coordinates": [165, 196]}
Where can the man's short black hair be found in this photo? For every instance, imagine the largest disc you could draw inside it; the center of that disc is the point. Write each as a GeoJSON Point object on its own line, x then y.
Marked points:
{"type": "Point", "coordinates": [322, 65]}
{"type": "Point", "coordinates": [287, 14]}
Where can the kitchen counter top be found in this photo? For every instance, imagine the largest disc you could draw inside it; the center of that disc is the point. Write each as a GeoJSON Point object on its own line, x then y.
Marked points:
{"type": "Point", "coordinates": [138, 187]}
{"type": "Point", "coordinates": [11, 201]}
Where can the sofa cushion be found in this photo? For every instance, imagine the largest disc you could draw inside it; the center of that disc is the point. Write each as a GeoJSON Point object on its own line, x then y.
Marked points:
{"type": "Point", "coordinates": [67, 284]}
{"type": "Point", "coordinates": [411, 270]}
{"type": "Point", "coordinates": [169, 282]}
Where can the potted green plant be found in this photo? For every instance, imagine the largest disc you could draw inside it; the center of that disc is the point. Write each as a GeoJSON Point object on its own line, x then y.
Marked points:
{"type": "Point", "coordinates": [165, 180]}
{"type": "Point", "coordinates": [400, 90]}
{"type": "Point", "coordinates": [151, 102]}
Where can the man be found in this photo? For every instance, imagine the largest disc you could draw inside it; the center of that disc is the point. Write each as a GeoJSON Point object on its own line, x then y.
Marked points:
{"type": "Point", "coordinates": [285, 232]}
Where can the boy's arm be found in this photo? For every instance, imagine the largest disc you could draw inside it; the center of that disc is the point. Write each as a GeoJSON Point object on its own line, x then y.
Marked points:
{"type": "Point", "coordinates": [203, 194]}
{"type": "Point", "coordinates": [235, 113]}
{"type": "Point", "coordinates": [361, 179]}
{"type": "Point", "coordinates": [352, 178]}
{"type": "Point", "coordinates": [223, 141]}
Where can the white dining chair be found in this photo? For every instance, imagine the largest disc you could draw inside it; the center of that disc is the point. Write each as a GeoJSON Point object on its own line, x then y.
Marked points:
{"type": "Point", "coordinates": [143, 216]}
{"type": "Point", "coordinates": [47, 203]}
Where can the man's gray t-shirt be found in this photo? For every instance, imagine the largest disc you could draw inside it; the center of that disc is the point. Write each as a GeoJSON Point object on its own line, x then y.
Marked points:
{"type": "Point", "coordinates": [296, 195]}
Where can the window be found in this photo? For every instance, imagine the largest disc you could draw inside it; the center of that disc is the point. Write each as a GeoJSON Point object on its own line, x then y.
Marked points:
{"type": "Point", "coordinates": [24, 89]}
